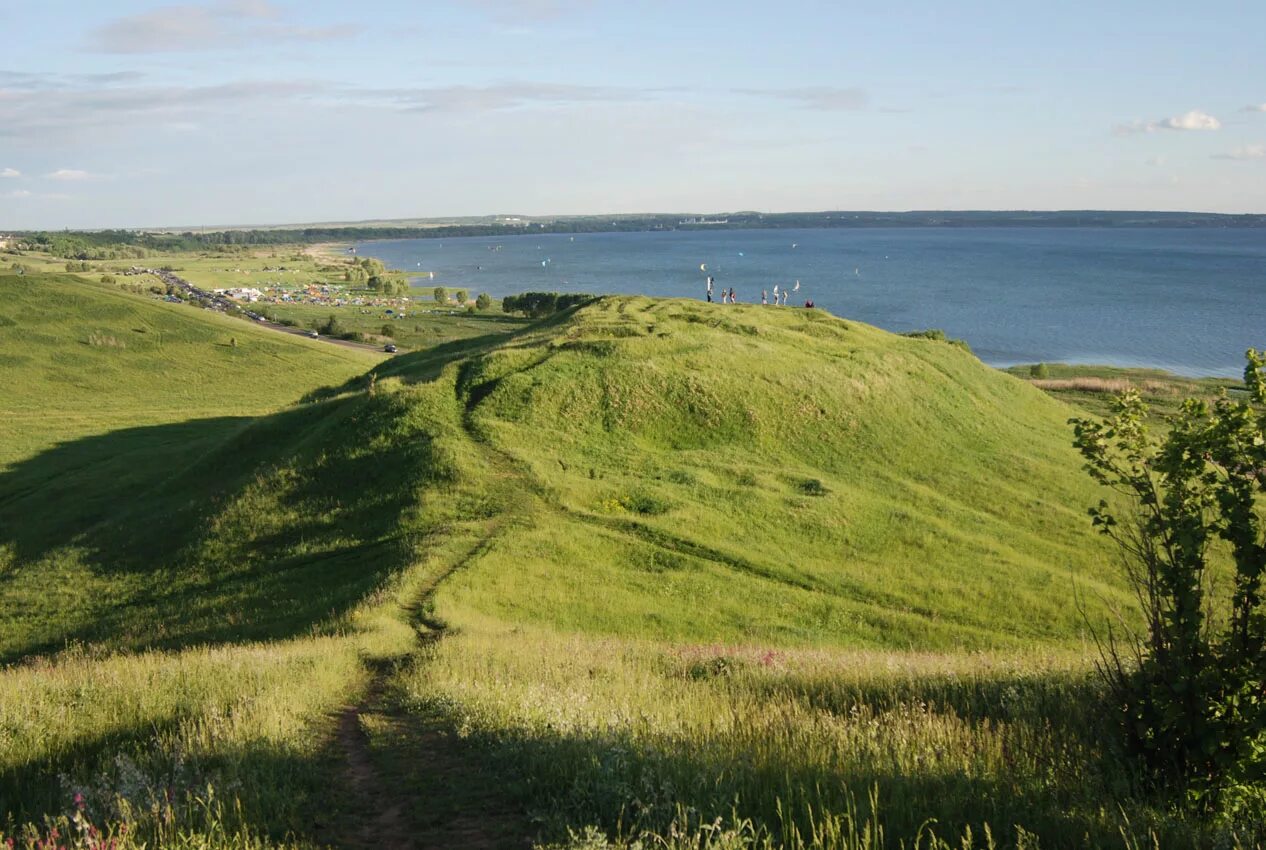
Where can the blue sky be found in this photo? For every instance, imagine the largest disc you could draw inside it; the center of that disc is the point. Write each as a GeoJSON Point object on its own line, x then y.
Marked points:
{"type": "Point", "coordinates": [133, 113]}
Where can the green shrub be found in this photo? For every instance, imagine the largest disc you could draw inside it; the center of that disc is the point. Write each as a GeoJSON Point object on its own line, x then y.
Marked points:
{"type": "Point", "coordinates": [938, 335]}
{"type": "Point", "coordinates": [1039, 371]}
{"type": "Point", "coordinates": [484, 301]}
{"type": "Point", "coordinates": [1189, 689]}
{"type": "Point", "coordinates": [812, 487]}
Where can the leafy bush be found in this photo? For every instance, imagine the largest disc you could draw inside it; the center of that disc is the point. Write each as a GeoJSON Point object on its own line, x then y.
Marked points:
{"type": "Point", "coordinates": [441, 294]}
{"type": "Point", "coordinates": [462, 296]}
{"type": "Point", "coordinates": [484, 301]}
{"type": "Point", "coordinates": [1189, 689]}
{"type": "Point", "coordinates": [1039, 371]}
{"type": "Point", "coordinates": [387, 330]}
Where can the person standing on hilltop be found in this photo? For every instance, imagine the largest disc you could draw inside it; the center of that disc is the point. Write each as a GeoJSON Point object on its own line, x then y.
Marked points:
{"type": "Point", "coordinates": [709, 289]}
{"type": "Point", "coordinates": [733, 300]}
{"type": "Point", "coordinates": [764, 296]}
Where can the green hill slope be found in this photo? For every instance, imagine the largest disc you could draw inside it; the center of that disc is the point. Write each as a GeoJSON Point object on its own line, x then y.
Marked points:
{"type": "Point", "coordinates": [81, 358]}
{"type": "Point", "coordinates": [767, 475]}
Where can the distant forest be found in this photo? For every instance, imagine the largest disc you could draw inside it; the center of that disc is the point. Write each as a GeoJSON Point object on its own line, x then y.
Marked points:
{"type": "Point", "coordinates": [119, 244]}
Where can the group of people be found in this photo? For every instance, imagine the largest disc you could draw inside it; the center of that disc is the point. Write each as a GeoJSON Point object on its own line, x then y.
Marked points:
{"type": "Point", "coordinates": [780, 294]}
{"type": "Point", "coordinates": [727, 295]}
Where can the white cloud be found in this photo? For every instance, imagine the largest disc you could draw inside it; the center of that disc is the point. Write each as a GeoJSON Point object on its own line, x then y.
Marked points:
{"type": "Point", "coordinates": [19, 193]}
{"type": "Point", "coordinates": [1245, 152]}
{"type": "Point", "coordinates": [10, 172]}
{"type": "Point", "coordinates": [1193, 120]}
{"type": "Point", "coordinates": [1256, 107]}
{"type": "Point", "coordinates": [69, 174]}
{"type": "Point", "coordinates": [210, 26]}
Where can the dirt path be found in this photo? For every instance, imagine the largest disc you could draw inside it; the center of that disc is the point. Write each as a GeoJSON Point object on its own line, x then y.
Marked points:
{"type": "Point", "coordinates": [385, 826]}
{"type": "Point", "coordinates": [416, 785]}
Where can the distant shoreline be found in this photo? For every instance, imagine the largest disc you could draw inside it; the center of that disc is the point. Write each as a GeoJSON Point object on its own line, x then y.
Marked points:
{"type": "Point", "coordinates": [420, 228]}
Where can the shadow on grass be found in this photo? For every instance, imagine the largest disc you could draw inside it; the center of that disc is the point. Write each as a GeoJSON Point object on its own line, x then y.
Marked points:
{"type": "Point", "coordinates": [212, 530]}
{"type": "Point", "coordinates": [283, 794]}
{"type": "Point", "coordinates": [621, 782]}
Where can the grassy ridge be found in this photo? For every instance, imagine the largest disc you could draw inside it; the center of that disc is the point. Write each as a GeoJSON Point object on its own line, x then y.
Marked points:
{"type": "Point", "coordinates": [782, 476]}
{"type": "Point", "coordinates": [701, 562]}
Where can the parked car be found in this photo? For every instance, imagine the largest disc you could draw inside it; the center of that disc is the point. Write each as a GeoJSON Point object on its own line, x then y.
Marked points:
{"type": "Point", "coordinates": [390, 348]}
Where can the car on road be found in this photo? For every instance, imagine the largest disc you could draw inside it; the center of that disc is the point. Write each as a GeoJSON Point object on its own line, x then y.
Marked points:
{"type": "Point", "coordinates": [313, 334]}
{"type": "Point", "coordinates": [390, 348]}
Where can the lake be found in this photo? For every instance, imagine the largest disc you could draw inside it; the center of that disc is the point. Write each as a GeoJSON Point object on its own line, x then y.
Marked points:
{"type": "Point", "coordinates": [1187, 300]}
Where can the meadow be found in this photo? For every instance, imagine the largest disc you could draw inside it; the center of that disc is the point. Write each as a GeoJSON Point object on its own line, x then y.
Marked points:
{"type": "Point", "coordinates": [650, 573]}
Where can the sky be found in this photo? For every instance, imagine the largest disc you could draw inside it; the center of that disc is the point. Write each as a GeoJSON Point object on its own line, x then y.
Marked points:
{"type": "Point", "coordinates": [132, 113]}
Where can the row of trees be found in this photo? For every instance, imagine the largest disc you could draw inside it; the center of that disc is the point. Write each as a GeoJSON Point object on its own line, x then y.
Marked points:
{"type": "Point", "coordinates": [541, 304]}
{"type": "Point", "coordinates": [462, 297]}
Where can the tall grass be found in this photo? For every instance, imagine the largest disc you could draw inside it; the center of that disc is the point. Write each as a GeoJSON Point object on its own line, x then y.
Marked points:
{"type": "Point", "coordinates": [722, 746]}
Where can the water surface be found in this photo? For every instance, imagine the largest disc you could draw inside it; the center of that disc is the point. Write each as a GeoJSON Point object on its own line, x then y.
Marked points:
{"type": "Point", "coordinates": [1188, 300]}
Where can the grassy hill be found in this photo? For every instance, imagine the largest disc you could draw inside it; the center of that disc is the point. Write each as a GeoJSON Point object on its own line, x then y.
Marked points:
{"type": "Point", "coordinates": [81, 358]}
{"type": "Point", "coordinates": [640, 566]}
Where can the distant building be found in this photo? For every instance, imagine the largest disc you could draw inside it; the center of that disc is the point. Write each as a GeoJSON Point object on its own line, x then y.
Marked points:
{"type": "Point", "coordinates": [6, 241]}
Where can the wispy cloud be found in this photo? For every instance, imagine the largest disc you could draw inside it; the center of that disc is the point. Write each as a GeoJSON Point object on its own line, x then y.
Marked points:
{"type": "Point", "coordinates": [1246, 152]}
{"type": "Point", "coordinates": [10, 172]}
{"type": "Point", "coordinates": [827, 98]}
{"type": "Point", "coordinates": [503, 96]}
{"type": "Point", "coordinates": [221, 25]}
{"type": "Point", "coordinates": [1193, 120]}
{"type": "Point", "coordinates": [18, 193]}
{"type": "Point", "coordinates": [69, 175]}
{"type": "Point", "coordinates": [1254, 107]}
{"type": "Point", "coordinates": [52, 108]}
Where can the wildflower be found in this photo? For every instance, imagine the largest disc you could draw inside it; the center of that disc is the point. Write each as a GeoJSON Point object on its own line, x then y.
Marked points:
{"type": "Point", "coordinates": [79, 801]}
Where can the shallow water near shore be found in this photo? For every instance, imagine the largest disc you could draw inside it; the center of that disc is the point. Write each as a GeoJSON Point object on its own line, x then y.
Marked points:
{"type": "Point", "coordinates": [1188, 300]}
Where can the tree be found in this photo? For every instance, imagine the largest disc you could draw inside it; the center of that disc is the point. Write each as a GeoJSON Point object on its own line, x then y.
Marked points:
{"type": "Point", "coordinates": [388, 330]}
{"type": "Point", "coordinates": [331, 327]}
{"type": "Point", "coordinates": [484, 301]}
{"type": "Point", "coordinates": [441, 294]}
{"type": "Point", "coordinates": [1190, 687]}
{"type": "Point", "coordinates": [462, 296]}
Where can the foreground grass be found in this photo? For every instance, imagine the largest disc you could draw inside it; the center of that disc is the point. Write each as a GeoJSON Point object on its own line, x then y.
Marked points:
{"type": "Point", "coordinates": [750, 745]}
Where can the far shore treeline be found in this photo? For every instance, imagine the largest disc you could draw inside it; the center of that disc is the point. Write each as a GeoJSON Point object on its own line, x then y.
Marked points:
{"type": "Point", "coordinates": [121, 244]}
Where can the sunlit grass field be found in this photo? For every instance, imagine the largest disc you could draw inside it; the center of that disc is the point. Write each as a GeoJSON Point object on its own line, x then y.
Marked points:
{"type": "Point", "coordinates": [81, 358]}
{"type": "Point", "coordinates": [651, 571]}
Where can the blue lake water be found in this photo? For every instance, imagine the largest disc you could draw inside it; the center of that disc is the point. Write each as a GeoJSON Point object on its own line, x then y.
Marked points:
{"type": "Point", "coordinates": [1187, 300]}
